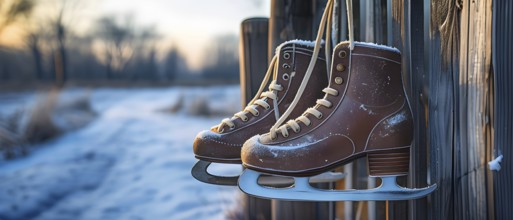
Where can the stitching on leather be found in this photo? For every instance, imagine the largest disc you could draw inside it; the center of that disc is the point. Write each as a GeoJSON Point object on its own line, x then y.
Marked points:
{"type": "Point", "coordinates": [336, 134]}
{"type": "Point", "coordinates": [221, 142]}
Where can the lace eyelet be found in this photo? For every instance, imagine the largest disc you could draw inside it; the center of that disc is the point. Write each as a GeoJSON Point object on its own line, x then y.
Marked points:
{"type": "Point", "coordinates": [286, 135]}
{"type": "Point", "coordinates": [342, 54]}
{"type": "Point", "coordinates": [297, 131]}
{"type": "Point", "coordinates": [232, 127]}
{"type": "Point", "coordinates": [285, 76]}
{"type": "Point", "coordinates": [341, 67]}
{"type": "Point", "coordinates": [245, 119]}
{"type": "Point", "coordinates": [320, 116]}
{"type": "Point", "coordinates": [286, 66]}
{"type": "Point", "coordinates": [339, 80]}
{"type": "Point", "coordinates": [257, 114]}
{"type": "Point", "coordinates": [268, 107]}
{"type": "Point", "coordinates": [286, 56]}
{"type": "Point", "coordinates": [274, 138]}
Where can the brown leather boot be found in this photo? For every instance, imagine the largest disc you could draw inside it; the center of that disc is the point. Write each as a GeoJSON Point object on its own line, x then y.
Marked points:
{"type": "Point", "coordinates": [365, 112]}
{"type": "Point", "coordinates": [223, 142]}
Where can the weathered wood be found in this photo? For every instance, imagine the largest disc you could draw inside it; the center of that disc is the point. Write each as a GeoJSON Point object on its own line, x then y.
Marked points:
{"type": "Point", "coordinates": [442, 101]}
{"type": "Point", "coordinates": [418, 102]}
{"type": "Point", "coordinates": [253, 55]}
{"type": "Point", "coordinates": [474, 66]}
{"type": "Point", "coordinates": [290, 20]}
{"type": "Point", "coordinates": [503, 112]}
{"type": "Point", "coordinates": [440, 132]}
{"type": "Point", "coordinates": [460, 124]}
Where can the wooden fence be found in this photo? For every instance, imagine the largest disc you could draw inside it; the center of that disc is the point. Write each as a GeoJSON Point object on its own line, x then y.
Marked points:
{"type": "Point", "coordinates": [457, 64]}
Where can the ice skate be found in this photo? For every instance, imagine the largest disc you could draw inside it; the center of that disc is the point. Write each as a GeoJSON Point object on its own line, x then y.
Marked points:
{"type": "Point", "coordinates": [222, 143]}
{"type": "Point", "coordinates": [364, 113]}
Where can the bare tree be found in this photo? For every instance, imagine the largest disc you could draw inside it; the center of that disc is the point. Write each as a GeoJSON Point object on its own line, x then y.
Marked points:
{"type": "Point", "coordinates": [117, 42]}
{"type": "Point", "coordinates": [60, 20]}
{"type": "Point", "coordinates": [33, 42]}
{"type": "Point", "coordinates": [11, 11]}
{"type": "Point", "coordinates": [60, 59]}
{"type": "Point", "coordinates": [172, 62]}
{"type": "Point", "coordinates": [123, 41]}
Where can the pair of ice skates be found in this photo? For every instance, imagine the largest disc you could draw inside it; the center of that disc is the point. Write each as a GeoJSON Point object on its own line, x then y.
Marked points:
{"type": "Point", "coordinates": [364, 112]}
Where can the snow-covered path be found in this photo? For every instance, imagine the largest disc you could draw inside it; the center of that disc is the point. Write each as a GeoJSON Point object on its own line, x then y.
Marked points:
{"type": "Point", "coordinates": [132, 162]}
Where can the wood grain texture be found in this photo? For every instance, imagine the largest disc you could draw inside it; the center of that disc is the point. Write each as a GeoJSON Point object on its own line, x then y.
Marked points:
{"type": "Point", "coordinates": [503, 112]}
{"type": "Point", "coordinates": [253, 56]}
{"type": "Point", "coordinates": [473, 89]}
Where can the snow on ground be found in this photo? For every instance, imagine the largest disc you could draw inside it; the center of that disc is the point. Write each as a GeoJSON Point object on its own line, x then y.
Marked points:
{"type": "Point", "coordinates": [132, 162]}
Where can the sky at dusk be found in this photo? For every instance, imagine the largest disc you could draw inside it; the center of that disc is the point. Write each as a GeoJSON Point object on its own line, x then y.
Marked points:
{"type": "Point", "coordinates": [186, 24]}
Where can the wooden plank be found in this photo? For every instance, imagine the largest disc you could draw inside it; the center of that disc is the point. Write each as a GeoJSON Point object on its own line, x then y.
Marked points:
{"type": "Point", "coordinates": [442, 82]}
{"type": "Point", "coordinates": [474, 64]}
{"type": "Point", "coordinates": [440, 132]}
{"type": "Point", "coordinates": [419, 105]}
{"type": "Point", "coordinates": [503, 79]}
{"type": "Point", "coordinates": [253, 56]}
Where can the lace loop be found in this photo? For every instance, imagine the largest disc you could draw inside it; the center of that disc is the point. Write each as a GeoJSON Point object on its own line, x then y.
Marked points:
{"type": "Point", "coordinates": [324, 103]}
{"type": "Point", "coordinates": [294, 125]}
{"type": "Point", "coordinates": [260, 99]}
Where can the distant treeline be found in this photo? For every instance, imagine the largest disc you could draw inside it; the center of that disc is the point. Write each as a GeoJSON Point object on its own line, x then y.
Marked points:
{"type": "Point", "coordinates": [116, 49]}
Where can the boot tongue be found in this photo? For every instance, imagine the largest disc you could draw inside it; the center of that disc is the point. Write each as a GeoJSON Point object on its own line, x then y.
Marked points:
{"type": "Point", "coordinates": [376, 46]}
{"type": "Point", "coordinates": [302, 43]}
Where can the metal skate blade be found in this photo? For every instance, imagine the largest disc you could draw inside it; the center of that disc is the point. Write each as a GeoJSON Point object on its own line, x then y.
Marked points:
{"type": "Point", "coordinates": [303, 191]}
{"type": "Point", "coordinates": [328, 177]}
{"type": "Point", "coordinates": [199, 172]}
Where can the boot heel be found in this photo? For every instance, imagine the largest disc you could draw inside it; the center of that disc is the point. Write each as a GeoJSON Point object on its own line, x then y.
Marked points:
{"type": "Point", "coordinates": [395, 162]}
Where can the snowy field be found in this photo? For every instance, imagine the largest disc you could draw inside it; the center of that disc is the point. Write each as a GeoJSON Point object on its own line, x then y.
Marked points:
{"type": "Point", "coordinates": [131, 162]}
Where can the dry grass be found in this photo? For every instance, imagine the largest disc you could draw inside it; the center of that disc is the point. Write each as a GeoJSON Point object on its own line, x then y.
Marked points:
{"type": "Point", "coordinates": [45, 120]}
{"type": "Point", "coordinates": [200, 105]}
{"type": "Point", "coordinates": [11, 144]}
{"type": "Point", "coordinates": [39, 125]}
{"type": "Point", "coordinates": [175, 107]}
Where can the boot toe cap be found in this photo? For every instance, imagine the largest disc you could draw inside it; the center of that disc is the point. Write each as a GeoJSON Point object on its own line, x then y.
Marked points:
{"type": "Point", "coordinates": [211, 145]}
{"type": "Point", "coordinates": [261, 156]}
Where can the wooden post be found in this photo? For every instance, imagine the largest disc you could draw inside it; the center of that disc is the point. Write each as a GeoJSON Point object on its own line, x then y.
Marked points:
{"type": "Point", "coordinates": [253, 65]}
{"type": "Point", "coordinates": [253, 56]}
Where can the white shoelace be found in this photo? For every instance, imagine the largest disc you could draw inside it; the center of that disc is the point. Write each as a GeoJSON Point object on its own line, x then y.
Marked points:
{"type": "Point", "coordinates": [259, 99]}
{"type": "Point", "coordinates": [293, 124]}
